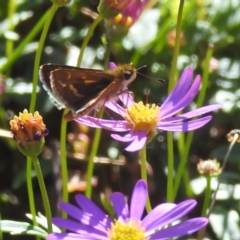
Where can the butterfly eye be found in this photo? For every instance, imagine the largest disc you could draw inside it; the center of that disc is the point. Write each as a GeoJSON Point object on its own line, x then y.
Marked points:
{"type": "Point", "coordinates": [127, 74]}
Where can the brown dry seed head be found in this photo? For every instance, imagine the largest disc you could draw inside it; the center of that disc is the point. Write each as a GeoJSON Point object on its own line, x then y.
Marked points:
{"type": "Point", "coordinates": [233, 133]}
{"type": "Point", "coordinates": [209, 167]}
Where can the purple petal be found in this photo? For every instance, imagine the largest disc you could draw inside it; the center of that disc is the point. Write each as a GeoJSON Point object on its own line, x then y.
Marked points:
{"type": "Point", "coordinates": [180, 89]}
{"type": "Point", "coordinates": [127, 99]}
{"type": "Point", "coordinates": [71, 210]}
{"type": "Point", "coordinates": [167, 111]}
{"type": "Point", "coordinates": [73, 236]}
{"type": "Point", "coordinates": [193, 113]}
{"type": "Point", "coordinates": [77, 227]}
{"type": "Point", "coordinates": [88, 121]}
{"type": "Point", "coordinates": [184, 126]}
{"type": "Point", "coordinates": [181, 229]}
{"type": "Point", "coordinates": [157, 212]}
{"type": "Point", "coordinates": [96, 213]}
{"type": "Point", "coordinates": [114, 125]}
{"type": "Point", "coordinates": [111, 125]}
{"type": "Point", "coordinates": [138, 142]}
{"type": "Point", "coordinates": [120, 206]}
{"type": "Point", "coordinates": [112, 65]}
{"type": "Point", "coordinates": [127, 138]}
{"type": "Point", "coordinates": [134, 10]}
{"type": "Point", "coordinates": [176, 213]}
{"type": "Point", "coordinates": [115, 107]}
{"type": "Point", "coordinates": [138, 200]}
{"type": "Point", "coordinates": [84, 217]}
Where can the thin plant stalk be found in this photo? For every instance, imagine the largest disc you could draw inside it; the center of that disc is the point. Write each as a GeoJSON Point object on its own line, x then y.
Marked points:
{"type": "Point", "coordinates": [207, 196]}
{"type": "Point", "coordinates": [170, 87]}
{"type": "Point", "coordinates": [18, 50]}
{"type": "Point", "coordinates": [143, 158]}
{"type": "Point", "coordinates": [51, 13]}
{"type": "Point", "coordinates": [201, 233]}
{"type": "Point", "coordinates": [87, 38]}
{"type": "Point", "coordinates": [201, 96]}
{"type": "Point", "coordinates": [44, 194]}
{"type": "Point", "coordinates": [63, 158]}
{"type": "Point", "coordinates": [92, 155]}
{"type": "Point", "coordinates": [49, 17]}
{"type": "Point", "coordinates": [64, 123]}
{"type": "Point", "coordinates": [30, 192]}
{"type": "Point", "coordinates": [9, 42]}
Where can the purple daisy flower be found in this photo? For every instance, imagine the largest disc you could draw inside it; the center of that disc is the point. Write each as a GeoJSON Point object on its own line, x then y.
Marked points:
{"type": "Point", "coordinates": [142, 121]}
{"type": "Point", "coordinates": [90, 222]}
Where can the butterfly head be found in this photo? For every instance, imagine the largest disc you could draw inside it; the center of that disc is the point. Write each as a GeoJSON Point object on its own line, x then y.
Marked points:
{"type": "Point", "coordinates": [128, 73]}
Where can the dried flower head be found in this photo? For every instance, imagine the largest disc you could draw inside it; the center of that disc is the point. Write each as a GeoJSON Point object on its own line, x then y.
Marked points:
{"type": "Point", "coordinates": [235, 133]}
{"type": "Point", "coordinates": [209, 168]}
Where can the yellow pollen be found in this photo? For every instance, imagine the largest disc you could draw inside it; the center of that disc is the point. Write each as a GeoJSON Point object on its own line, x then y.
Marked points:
{"type": "Point", "coordinates": [118, 18]}
{"type": "Point", "coordinates": [26, 125]}
{"type": "Point", "coordinates": [128, 22]}
{"type": "Point", "coordinates": [142, 117]}
{"type": "Point", "coordinates": [130, 230]}
{"type": "Point", "coordinates": [125, 21]}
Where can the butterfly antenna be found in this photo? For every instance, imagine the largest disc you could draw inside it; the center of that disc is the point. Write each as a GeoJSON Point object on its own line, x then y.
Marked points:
{"type": "Point", "coordinates": [141, 67]}
{"type": "Point", "coordinates": [156, 79]}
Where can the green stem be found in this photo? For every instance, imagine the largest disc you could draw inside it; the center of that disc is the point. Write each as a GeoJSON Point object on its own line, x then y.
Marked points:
{"type": "Point", "coordinates": [143, 157]}
{"type": "Point", "coordinates": [63, 156]}
{"type": "Point", "coordinates": [95, 144]}
{"type": "Point", "coordinates": [186, 177]}
{"type": "Point", "coordinates": [207, 196]}
{"type": "Point", "coordinates": [17, 52]}
{"type": "Point", "coordinates": [189, 138]}
{"type": "Point", "coordinates": [170, 167]}
{"type": "Point", "coordinates": [1, 233]}
{"type": "Point", "coordinates": [43, 193]}
{"type": "Point", "coordinates": [87, 38]}
{"type": "Point", "coordinates": [30, 191]}
{"type": "Point", "coordinates": [176, 48]}
{"type": "Point", "coordinates": [51, 13]}
{"type": "Point", "coordinates": [49, 17]}
{"type": "Point", "coordinates": [9, 42]}
{"type": "Point", "coordinates": [64, 124]}
{"type": "Point", "coordinates": [170, 86]}
{"type": "Point", "coordinates": [201, 233]}
{"type": "Point", "coordinates": [205, 76]}
{"type": "Point", "coordinates": [93, 153]}
{"type": "Point", "coordinates": [97, 134]}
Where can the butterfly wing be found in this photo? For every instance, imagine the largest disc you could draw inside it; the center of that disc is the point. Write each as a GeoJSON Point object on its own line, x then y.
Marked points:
{"type": "Point", "coordinates": [76, 88]}
{"type": "Point", "coordinates": [45, 71]}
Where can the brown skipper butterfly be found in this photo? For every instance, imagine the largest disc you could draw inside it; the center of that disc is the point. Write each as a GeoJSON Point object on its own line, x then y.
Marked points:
{"type": "Point", "coordinates": [82, 90]}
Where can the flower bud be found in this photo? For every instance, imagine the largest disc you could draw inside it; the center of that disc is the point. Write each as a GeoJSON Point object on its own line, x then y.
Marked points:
{"type": "Point", "coordinates": [29, 131]}
{"type": "Point", "coordinates": [110, 8]}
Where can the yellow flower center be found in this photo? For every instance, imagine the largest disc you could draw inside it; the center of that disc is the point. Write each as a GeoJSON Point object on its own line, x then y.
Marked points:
{"type": "Point", "coordinates": [142, 117]}
{"type": "Point", "coordinates": [129, 230]}
{"type": "Point", "coordinates": [27, 126]}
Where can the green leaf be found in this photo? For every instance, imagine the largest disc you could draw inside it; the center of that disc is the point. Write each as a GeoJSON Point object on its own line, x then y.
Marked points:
{"type": "Point", "coordinates": [22, 228]}
{"type": "Point", "coordinates": [42, 221]}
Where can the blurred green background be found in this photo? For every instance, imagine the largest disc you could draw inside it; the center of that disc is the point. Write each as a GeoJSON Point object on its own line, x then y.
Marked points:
{"type": "Point", "coordinates": [150, 42]}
